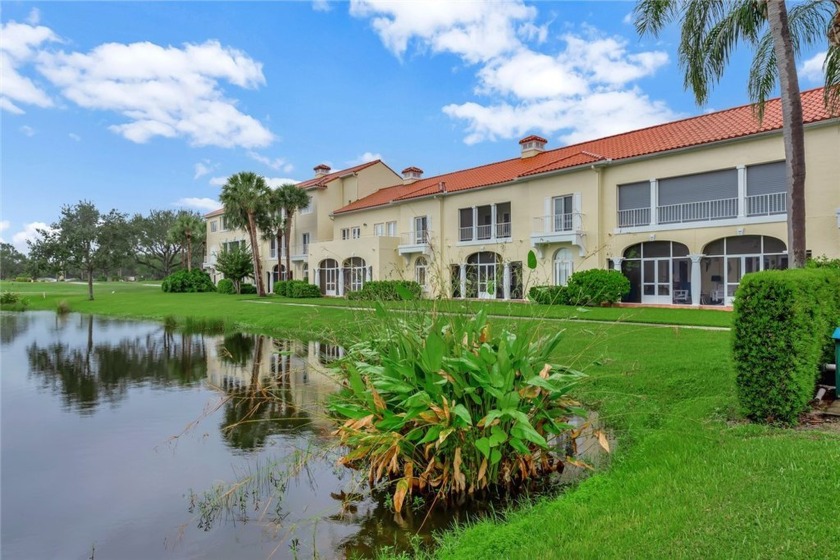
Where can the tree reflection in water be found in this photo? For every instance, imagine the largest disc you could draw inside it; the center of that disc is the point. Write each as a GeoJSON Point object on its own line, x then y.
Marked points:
{"type": "Point", "coordinates": [91, 373]}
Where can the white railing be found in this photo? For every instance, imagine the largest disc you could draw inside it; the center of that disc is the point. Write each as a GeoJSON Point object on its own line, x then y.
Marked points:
{"type": "Point", "coordinates": [634, 217]}
{"type": "Point", "coordinates": [698, 211]}
{"type": "Point", "coordinates": [485, 232]}
{"type": "Point", "coordinates": [555, 223]}
{"type": "Point", "coordinates": [415, 238]}
{"type": "Point", "coordinates": [767, 204]}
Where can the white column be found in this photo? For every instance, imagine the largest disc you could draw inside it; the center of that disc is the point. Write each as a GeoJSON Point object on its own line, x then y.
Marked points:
{"type": "Point", "coordinates": [617, 263]}
{"type": "Point", "coordinates": [341, 280]}
{"type": "Point", "coordinates": [742, 191]}
{"type": "Point", "coordinates": [316, 277]}
{"type": "Point", "coordinates": [695, 279]}
{"type": "Point", "coordinates": [368, 273]}
{"type": "Point", "coordinates": [654, 202]}
{"type": "Point", "coordinates": [506, 280]}
{"type": "Point", "coordinates": [493, 221]}
{"type": "Point", "coordinates": [475, 224]}
{"type": "Point", "coordinates": [463, 281]}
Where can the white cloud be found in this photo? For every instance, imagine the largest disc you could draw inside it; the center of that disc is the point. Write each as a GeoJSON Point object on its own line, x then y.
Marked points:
{"type": "Point", "coordinates": [574, 90]}
{"type": "Point", "coordinates": [321, 5]}
{"type": "Point", "coordinates": [4, 225]}
{"type": "Point", "coordinates": [163, 91]}
{"type": "Point", "coordinates": [275, 182]}
{"type": "Point", "coordinates": [628, 19]}
{"type": "Point", "coordinates": [364, 158]}
{"type": "Point", "coordinates": [812, 69]}
{"type": "Point", "coordinates": [34, 17]}
{"type": "Point", "coordinates": [202, 204]}
{"type": "Point", "coordinates": [218, 181]}
{"type": "Point", "coordinates": [28, 233]}
{"type": "Point", "coordinates": [18, 48]}
{"type": "Point", "coordinates": [27, 130]}
{"type": "Point", "coordinates": [75, 137]}
{"type": "Point", "coordinates": [276, 163]}
{"type": "Point", "coordinates": [203, 168]}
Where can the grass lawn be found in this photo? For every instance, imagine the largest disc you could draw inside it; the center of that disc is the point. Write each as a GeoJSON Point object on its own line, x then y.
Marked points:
{"type": "Point", "coordinates": [688, 479]}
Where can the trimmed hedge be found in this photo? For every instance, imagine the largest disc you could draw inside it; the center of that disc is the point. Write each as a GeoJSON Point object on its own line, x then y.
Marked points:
{"type": "Point", "coordinates": [596, 287]}
{"type": "Point", "coordinates": [226, 286]}
{"type": "Point", "coordinates": [386, 290]}
{"type": "Point", "coordinates": [247, 288]}
{"type": "Point", "coordinates": [782, 333]}
{"type": "Point", "coordinates": [296, 289]}
{"type": "Point", "coordinates": [548, 295]}
{"type": "Point", "coordinates": [188, 281]}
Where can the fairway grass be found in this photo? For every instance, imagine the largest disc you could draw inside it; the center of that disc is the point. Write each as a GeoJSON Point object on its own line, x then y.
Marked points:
{"type": "Point", "coordinates": [688, 477]}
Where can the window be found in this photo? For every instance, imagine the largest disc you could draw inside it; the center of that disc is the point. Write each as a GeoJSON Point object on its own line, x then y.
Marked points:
{"type": "Point", "coordinates": [355, 271]}
{"type": "Point", "coordinates": [379, 229]}
{"type": "Point", "coordinates": [420, 266]}
{"type": "Point", "coordinates": [273, 248]}
{"type": "Point", "coordinates": [304, 237]}
{"type": "Point", "coordinates": [355, 232]}
{"type": "Point", "coordinates": [345, 233]}
{"type": "Point", "coordinates": [307, 209]}
{"type": "Point", "coordinates": [214, 226]}
{"type": "Point", "coordinates": [421, 229]}
{"type": "Point", "coordinates": [563, 267]}
{"type": "Point", "coordinates": [766, 189]}
{"type": "Point", "coordinates": [634, 204]}
{"type": "Point", "coordinates": [562, 213]}
{"type": "Point", "coordinates": [487, 222]}
{"type": "Point", "coordinates": [391, 229]}
{"type": "Point", "coordinates": [224, 223]}
{"type": "Point", "coordinates": [233, 245]}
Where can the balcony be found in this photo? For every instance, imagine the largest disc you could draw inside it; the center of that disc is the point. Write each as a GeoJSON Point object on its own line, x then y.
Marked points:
{"type": "Point", "coordinates": [704, 211]}
{"type": "Point", "coordinates": [634, 217]}
{"type": "Point", "coordinates": [414, 242]}
{"type": "Point", "coordinates": [767, 204]}
{"type": "Point", "coordinates": [299, 252]}
{"type": "Point", "coordinates": [565, 227]}
{"type": "Point", "coordinates": [487, 232]}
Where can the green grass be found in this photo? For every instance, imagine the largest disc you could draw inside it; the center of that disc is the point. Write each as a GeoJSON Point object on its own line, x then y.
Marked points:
{"type": "Point", "coordinates": [688, 479]}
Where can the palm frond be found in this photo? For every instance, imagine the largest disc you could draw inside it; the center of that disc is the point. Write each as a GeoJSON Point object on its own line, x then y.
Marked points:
{"type": "Point", "coordinates": [832, 80]}
{"type": "Point", "coordinates": [650, 16]}
{"type": "Point", "coordinates": [763, 74]}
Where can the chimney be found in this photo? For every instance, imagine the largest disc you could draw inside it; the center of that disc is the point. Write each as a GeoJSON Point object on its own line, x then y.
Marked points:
{"type": "Point", "coordinates": [532, 145]}
{"type": "Point", "coordinates": [321, 170]}
{"type": "Point", "coordinates": [411, 174]}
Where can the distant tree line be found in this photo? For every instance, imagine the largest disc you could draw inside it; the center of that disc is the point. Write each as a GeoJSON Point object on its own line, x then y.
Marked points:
{"type": "Point", "coordinates": [88, 244]}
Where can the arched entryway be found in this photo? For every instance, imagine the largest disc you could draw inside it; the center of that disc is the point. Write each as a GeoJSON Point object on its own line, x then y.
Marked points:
{"type": "Point", "coordinates": [564, 266]}
{"type": "Point", "coordinates": [328, 277]}
{"type": "Point", "coordinates": [727, 260]}
{"type": "Point", "coordinates": [484, 275]}
{"type": "Point", "coordinates": [354, 272]}
{"type": "Point", "coordinates": [659, 272]}
{"type": "Point", "coordinates": [421, 267]}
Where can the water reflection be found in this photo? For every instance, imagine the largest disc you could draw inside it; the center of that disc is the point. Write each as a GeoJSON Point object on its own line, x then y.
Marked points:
{"type": "Point", "coordinates": [93, 372]}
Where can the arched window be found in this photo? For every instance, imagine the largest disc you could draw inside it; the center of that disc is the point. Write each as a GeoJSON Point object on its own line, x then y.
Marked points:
{"type": "Point", "coordinates": [563, 266]}
{"type": "Point", "coordinates": [727, 260]}
{"type": "Point", "coordinates": [420, 267]}
{"type": "Point", "coordinates": [659, 272]}
{"type": "Point", "coordinates": [328, 277]}
{"type": "Point", "coordinates": [484, 275]}
{"type": "Point", "coordinates": [355, 270]}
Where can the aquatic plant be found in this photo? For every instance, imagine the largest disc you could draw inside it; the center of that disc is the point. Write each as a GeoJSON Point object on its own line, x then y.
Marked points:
{"type": "Point", "coordinates": [442, 404]}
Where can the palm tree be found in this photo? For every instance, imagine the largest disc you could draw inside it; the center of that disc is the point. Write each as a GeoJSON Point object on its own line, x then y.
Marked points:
{"type": "Point", "coordinates": [245, 200]}
{"type": "Point", "coordinates": [288, 199]}
{"type": "Point", "coordinates": [273, 225]}
{"type": "Point", "coordinates": [712, 29]}
{"type": "Point", "coordinates": [188, 230]}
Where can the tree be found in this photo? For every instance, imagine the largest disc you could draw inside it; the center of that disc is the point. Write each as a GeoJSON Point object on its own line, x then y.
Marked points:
{"type": "Point", "coordinates": [154, 248]}
{"type": "Point", "coordinates": [83, 238]}
{"type": "Point", "coordinates": [712, 29]}
{"type": "Point", "coordinates": [235, 263]}
{"type": "Point", "coordinates": [288, 199]}
{"type": "Point", "coordinates": [13, 263]}
{"type": "Point", "coordinates": [245, 201]}
{"type": "Point", "coordinates": [189, 230]}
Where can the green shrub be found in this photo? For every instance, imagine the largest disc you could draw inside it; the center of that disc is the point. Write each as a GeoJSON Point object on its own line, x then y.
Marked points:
{"type": "Point", "coordinates": [444, 406]}
{"type": "Point", "coordinates": [823, 262]}
{"type": "Point", "coordinates": [23, 279]}
{"type": "Point", "coordinates": [387, 290]}
{"type": "Point", "coordinates": [226, 286]}
{"type": "Point", "coordinates": [548, 295]}
{"type": "Point", "coordinates": [247, 288]}
{"type": "Point", "coordinates": [281, 288]}
{"type": "Point", "coordinates": [188, 281]}
{"type": "Point", "coordinates": [782, 333]}
{"type": "Point", "coordinates": [11, 301]}
{"type": "Point", "coordinates": [596, 287]}
{"type": "Point", "coordinates": [301, 289]}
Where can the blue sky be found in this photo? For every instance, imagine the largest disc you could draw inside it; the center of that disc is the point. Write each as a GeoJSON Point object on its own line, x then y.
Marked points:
{"type": "Point", "coordinates": [139, 106]}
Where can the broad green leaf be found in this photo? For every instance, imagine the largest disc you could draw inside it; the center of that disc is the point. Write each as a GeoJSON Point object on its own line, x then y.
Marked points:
{"type": "Point", "coordinates": [532, 260]}
{"type": "Point", "coordinates": [418, 399]}
{"type": "Point", "coordinates": [509, 400]}
{"type": "Point", "coordinates": [431, 435]}
{"type": "Point", "coordinates": [497, 436]}
{"type": "Point", "coordinates": [432, 355]}
{"type": "Point", "coordinates": [518, 445]}
{"type": "Point", "coordinates": [495, 456]}
{"type": "Point", "coordinates": [483, 445]}
{"type": "Point", "coordinates": [445, 434]}
{"type": "Point", "coordinates": [528, 432]}
{"type": "Point", "coordinates": [461, 412]}
{"type": "Point", "coordinates": [349, 411]}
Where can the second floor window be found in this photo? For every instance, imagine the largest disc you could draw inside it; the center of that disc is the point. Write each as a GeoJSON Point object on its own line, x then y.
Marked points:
{"type": "Point", "coordinates": [391, 229]}
{"type": "Point", "coordinates": [355, 232]}
{"type": "Point", "coordinates": [562, 213]}
{"type": "Point", "coordinates": [479, 223]}
{"type": "Point", "coordinates": [421, 229]}
{"type": "Point", "coordinates": [214, 226]}
{"type": "Point", "coordinates": [305, 243]}
{"type": "Point", "coordinates": [379, 229]}
{"type": "Point", "coordinates": [345, 233]}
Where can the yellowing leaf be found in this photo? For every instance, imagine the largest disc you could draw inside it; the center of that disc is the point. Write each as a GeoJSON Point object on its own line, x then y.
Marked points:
{"type": "Point", "coordinates": [399, 495]}
{"type": "Point", "coordinates": [546, 370]}
{"type": "Point", "coordinates": [602, 440]}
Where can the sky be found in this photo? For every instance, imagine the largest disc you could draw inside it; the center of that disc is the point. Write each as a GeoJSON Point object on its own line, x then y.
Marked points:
{"type": "Point", "coordinates": [138, 106]}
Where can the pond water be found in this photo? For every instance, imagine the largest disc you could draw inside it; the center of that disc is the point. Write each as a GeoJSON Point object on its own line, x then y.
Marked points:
{"type": "Point", "coordinates": [121, 439]}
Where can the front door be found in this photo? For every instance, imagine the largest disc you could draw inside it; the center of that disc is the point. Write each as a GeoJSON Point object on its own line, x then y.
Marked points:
{"type": "Point", "coordinates": [331, 281]}
{"type": "Point", "coordinates": [487, 281]}
{"type": "Point", "coordinates": [656, 280]}
{"type": "Point", "coordinates": [736, 267]}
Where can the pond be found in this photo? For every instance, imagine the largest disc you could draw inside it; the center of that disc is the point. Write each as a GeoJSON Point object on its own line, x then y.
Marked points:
{"type": "Point", "coordinates": [121, 439]}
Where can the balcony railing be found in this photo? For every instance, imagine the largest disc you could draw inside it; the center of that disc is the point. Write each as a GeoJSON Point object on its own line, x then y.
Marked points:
{"type": "Point", "coordinates": [502, 230]}
{"type": "Point", "coordinates": [634, 217]}
{"type": "Point", "coordinates": [703, 211]}
{"type": "Point", "coordinates": [767, 204]}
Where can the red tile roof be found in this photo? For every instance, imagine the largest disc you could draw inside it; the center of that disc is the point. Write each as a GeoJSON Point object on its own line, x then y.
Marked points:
{"type": "Point", "coordinates": [215, 213]}
{"type": "Point", "coordinates": [695, 131]}
{"type": "Point", "coordinates": [324, 179]}
{"type": "Point", "coordinates": [533, 138]}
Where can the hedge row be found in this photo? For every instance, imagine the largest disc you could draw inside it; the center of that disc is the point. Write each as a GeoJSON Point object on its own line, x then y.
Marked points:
{"type": "Point", "coordinates": [296, 289]}
{"type": "Point", "coordinates": [587, 287]}
{"type": "Point", "coordinates": [781, 335]}
{"type": "Point", "coordinates": [188, 281]}
{"type": "Point", "coordinates": [387, 290]}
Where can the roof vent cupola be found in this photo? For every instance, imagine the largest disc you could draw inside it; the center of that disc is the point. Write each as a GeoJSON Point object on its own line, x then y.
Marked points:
{"type": "Point", "coordinates": [411, 174]}
{"type": "Point", "coordinates": [532, 145]}
{"type": "Point", "coordinates": [321, 170]}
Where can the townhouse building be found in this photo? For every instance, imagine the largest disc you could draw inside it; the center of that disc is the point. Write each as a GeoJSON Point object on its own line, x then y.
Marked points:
{"type": "Point", "coordinates": [684, 210]}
